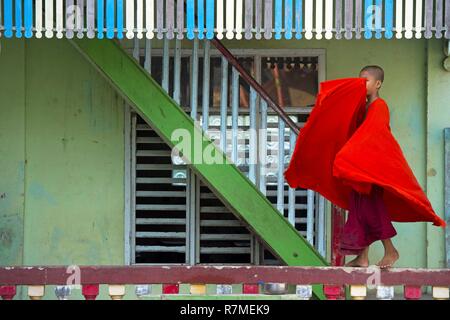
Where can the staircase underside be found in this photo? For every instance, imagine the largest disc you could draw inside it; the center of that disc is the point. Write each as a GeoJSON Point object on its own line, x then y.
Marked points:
{"type": "Point", "coordinates": [230, 185]}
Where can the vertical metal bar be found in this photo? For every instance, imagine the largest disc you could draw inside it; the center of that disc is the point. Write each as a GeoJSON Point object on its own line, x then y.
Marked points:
{"type": "Point", "coordinates": [219, 19]}
{"type": "Point", "coordinates": [280, 177]}
{"type": "Point", "coordinates": [378, 18]}
{"type": "Point", "coordinates": [398, 19]}
{"type": "Point", "coordinates": [18, 18]}
{"type": "Point", "coordinates": [166, 58]}
{"type": "Point", "coordinates": [278, 18]}
{"type": "Point", "coordinates": [136, 49]}
{"type": "Point", "coordinates": [263, 147]}
{"type": "Point", "coordinates": [248, 19]}
{"type": "Point", "coordinates": [180, 19]}
{"type": "Point", "coordinates": [110, 19]}
{"type": "Point", "coordinates": [239, 13]}
{"type": "Point", "coordinates": [170, 24]}
{"type": "Point", "coordinates": [358, 18]}
{"type": "Point", "coordinates": [447, 19]}
{"type": "Point", "coordinates": [194, 79]}
{"type": "Point", "coordinates": [70, 15]}
{"type": "Point", "coordinates": [418, 18]}
{"type": "Point", "coordinates": [438, 19]}
{"type": "Point", "coordinates": [309, 9]}
{"type": "Point", "coordinates": [159, 19]}
{"type": "Point", "coordinates": [139, 18]}
{"type": "Point", "coordinates": [28, 18]}
{"type": "Point", "coordinates": [210, 19]}
{"type": "Point", "coordinates": [234, 114]}
{"type": "Point", "coordinates": [133, 190]}
{"type": "Point", "coordinates": [205, 100]}
{"type": "Point", "coordinates": [129, 131]}
{"type": "Point", "coordinates": [148, 55]}
{"type": "Point", "coordinates": [253, 137]}
{"type": "Point", "coordinates": [191, 221]}
{"type": "Point", "coordinates": [48, 13]}
{"type": "Point", "coordinates": [268, 19]}
{"type": "Point", "coordinates": [319, 19]}
{"type": "Point", "coordinates": [298, 19]}
{"type": "Point", "coordinates": [190, 17]}
{"type": "Point", "coordinates": [177, 72]}
{"type": "Point", "coordinates": [428, 18]}
{"type": "Point", "coordinates": [258, 18]}
{"type": "Point", "coordinates": [338, 19]}
{"type": "Point", "coordinates": [310, 216]}
{"type": "Point", "coordinates": [447, 190]}
{"type": "Point", "coordinates": [196, 202]}
{"type": "Point", "coordinates": [149, 19]}
{"type": "Point", "coordinates": [388, 18]}
{"type": "Point", "coordinates": [321, 240]}
{"type": "Point", "coordinates": [101, 19]}
{"type": "Point", "coordinates": [368, 19]}
{"type": "Point", "coordinates": [288, 9]}
{"type": "Point", "coordinates": [230, 13]}
{"type": "Point", "coordinates": [80, 19]}
{"type": "Point", "coordinates": [348, 18]}
{"type": "Point", "coordinates": [119, 18]}
{"type": "Point", "coordinates": [291, 192]}
{"type": "Point", "coordinates": [200, 19]}
{"type": "Point", "coordinates": [224, 105]}
{"type": "Point", "coordinates": [90, 13]}
{"type": "Point", "coordinates": [129, 11]}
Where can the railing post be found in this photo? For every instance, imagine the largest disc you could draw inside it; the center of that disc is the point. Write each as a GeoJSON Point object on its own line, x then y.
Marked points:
{"type": "Point", "coordinates": [90, 291]}
{"type": "Point", "coordinates": [337, 258]}
{"type": "Point", "coordinates": [7, 292]}
{"type": "Point", "coordinates": [412, 292]}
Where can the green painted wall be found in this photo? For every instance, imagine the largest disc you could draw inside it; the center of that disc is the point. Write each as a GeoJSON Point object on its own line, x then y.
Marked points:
{"type": "Point", "coordinates": [62, 149]}
{"type": "Point", "coordinates": [62, 158]}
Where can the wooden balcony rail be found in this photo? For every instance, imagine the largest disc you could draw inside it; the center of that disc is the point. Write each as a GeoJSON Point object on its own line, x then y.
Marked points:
{"type": "Point", "coordinates": [254, 280]}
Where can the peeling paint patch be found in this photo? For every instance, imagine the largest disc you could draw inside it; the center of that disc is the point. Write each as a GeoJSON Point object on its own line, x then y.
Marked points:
{"type": "Point", "coordinates": [431, 172]}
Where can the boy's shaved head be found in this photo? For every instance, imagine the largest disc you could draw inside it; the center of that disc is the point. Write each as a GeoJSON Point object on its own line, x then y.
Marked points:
{"type": "Point", "coordinates": [375, 71]}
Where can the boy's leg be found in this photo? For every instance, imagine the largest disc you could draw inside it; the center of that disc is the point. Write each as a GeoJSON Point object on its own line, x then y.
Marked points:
{"type": "Point", "coordinates": [390, 254]}
{"type": "Point", "coordinates": [362, 260]}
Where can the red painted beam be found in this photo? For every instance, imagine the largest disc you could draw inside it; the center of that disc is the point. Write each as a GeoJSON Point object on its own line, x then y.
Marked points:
{"type": "Point", "coordinates": [223, 275]}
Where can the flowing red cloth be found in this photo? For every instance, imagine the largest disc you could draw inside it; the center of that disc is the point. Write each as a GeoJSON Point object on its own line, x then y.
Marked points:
{"type": "Point", "coordinates": [333, 155]}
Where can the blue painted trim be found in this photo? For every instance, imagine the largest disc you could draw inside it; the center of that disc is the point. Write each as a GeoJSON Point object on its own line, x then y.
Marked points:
{"type": "Point", "coordinates": [18, 10]}
{"type": "Point", "coordinates": [298, 19]}
{"type": "Point", "coordinates": [110, 19]}
{"type": "Point", "coordinates": [368, 19]}
{"type": "Point", "coordinates": [190, 24]}
{"type": "Point", "coordinates": [378, 18]}
{"type": "Point", "coordinates": [28, 18]}
{"type": "Point", "coordinates": [389, 18]}
{"type": "Point", "coordinates": [210, 19]}
{"type": "Point", "coordinates": [100, 19]}
{"type": "Point", "coordinates": [119, 19]}
{"type": "Point", "coordinates": [200, 19]}
{"type": "Point", "coordinates": [288, 19]}
{"type": "Point", "coordinates": [7, 19]}
{"type": "Point", "coordinates": [278, 18]}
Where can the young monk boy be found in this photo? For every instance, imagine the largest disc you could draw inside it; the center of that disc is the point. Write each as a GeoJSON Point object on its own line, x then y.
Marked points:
{"type": "Point", "coordinates": [368, 219]}
{"type": "Point", "coordinates": [347, 153]}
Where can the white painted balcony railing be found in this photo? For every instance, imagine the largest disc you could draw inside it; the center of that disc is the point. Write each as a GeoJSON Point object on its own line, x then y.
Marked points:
{"type": "Point", "coordinates": [233, 19]}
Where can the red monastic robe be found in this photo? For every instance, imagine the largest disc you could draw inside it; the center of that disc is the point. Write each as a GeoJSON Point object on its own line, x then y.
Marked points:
{"type": "Point", "coordinates": [333, 155]}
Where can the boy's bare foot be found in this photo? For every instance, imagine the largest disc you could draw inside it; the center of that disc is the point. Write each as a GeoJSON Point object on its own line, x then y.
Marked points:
{"type": "Point", "coordinates": [389, 259]}
{"type": "Point", "coordinates": [361, 262]}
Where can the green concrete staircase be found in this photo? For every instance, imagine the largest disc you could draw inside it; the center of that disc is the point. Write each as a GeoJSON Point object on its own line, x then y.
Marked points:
{"type": "Point", "coordinates": [230, 185]}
